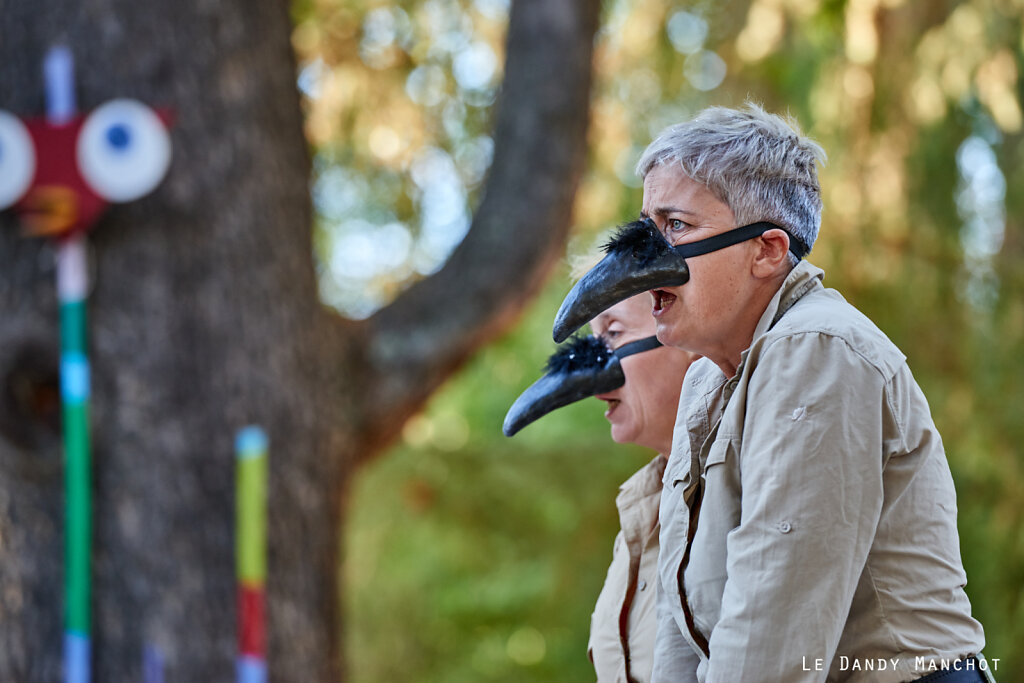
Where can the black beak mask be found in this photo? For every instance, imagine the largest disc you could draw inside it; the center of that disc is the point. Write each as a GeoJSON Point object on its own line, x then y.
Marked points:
{"type": "Point", "coordinates": [639, 259]}
{"type": "Point", "coordinates": [584, 367]}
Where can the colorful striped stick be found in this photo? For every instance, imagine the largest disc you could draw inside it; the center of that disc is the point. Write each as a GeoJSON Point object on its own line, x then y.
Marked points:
{"type": "Point", "coordinates": [251, 553]}
{"type": "Point", "coordinates": [72, 288]}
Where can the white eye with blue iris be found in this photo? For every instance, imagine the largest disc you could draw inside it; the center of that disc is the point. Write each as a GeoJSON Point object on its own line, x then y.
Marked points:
{"type": "Point", "coordinates": [123, 150]}
{"type": "Point", "coordinates": [17, 159]}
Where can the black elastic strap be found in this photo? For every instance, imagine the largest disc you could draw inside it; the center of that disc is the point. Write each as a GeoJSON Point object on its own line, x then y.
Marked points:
{"type": "Point", "coordinates": [638, 346]}
{"type": "Point", "coordinates": [735, 236]}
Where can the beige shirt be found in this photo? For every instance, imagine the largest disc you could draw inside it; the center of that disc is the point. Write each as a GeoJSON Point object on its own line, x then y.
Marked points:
{"type": "Point", "coordinates": [623, 624]}
{"type": "Point", "coordinates": [825, 545]}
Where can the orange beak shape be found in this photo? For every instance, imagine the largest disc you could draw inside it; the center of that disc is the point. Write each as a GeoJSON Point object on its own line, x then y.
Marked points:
{"type": "Point", "coordinates": [49, 210]}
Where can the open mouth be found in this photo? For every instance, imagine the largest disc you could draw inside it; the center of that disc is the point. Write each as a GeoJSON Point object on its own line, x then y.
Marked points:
{"type": "Point", "coordinates": [662, 301]}
{"type": "Point", "coordinates": [613, 403]}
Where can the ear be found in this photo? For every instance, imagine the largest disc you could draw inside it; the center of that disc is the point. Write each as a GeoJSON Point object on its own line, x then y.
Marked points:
{"type": "Point", "coordinates": [771, 254]}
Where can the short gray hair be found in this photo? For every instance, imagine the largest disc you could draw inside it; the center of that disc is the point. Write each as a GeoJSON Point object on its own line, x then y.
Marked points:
{"type": "Point", "coordinates": [757, 163]}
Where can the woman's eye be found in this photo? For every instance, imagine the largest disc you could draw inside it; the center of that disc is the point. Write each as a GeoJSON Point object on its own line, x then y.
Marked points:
{"type": "Point", "coordinates": [675, 225]}
{"type": "Point", "coordinates": [610, 336]}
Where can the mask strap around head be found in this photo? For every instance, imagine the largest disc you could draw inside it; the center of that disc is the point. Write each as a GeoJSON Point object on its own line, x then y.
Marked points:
{"type": "Point", "coordinates": [638, 346]}
{"type": "Point", "coordinates": [735, 236]}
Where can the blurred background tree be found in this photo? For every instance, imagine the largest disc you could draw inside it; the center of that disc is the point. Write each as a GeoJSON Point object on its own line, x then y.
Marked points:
{"type": "Point", "coordinates": [206, 317]}
{"type": "Point", "coordinates": [472, 557]}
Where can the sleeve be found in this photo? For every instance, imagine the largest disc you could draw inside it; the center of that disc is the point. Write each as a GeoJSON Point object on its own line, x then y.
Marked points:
{"type": "Point", "coordinates": [603, 647]}
{"type": "Point", "coordinates": [674, 659]}
{"type": "Point", "coordinates": [811, 475]}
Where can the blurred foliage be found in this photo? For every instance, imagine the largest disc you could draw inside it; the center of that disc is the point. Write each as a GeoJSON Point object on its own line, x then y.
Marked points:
{"type": "Point", "coordinates": [398, 112]}
{"type": "Point", "coordinates": [474, 557]}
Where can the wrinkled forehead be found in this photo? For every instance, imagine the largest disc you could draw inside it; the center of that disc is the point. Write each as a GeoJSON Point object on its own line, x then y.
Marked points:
{"type": "Point", "coordinates": [670, 193]}
{"type": "Point", "coordinates": [668, 187]}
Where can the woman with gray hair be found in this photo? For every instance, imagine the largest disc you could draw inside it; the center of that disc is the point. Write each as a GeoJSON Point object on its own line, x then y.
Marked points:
{"type": "Point", "coordinates": [808, 515]}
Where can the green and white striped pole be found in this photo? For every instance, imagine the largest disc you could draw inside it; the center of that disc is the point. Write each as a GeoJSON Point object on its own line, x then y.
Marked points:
{"type": "Point", "coordinates": [72, 284]}
{"type": "Point", "coordinates": [72, 289]}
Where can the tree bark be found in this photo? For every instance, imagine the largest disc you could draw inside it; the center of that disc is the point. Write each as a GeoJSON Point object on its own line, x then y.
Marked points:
{"type": "Point", "coordinates": [204, 318]}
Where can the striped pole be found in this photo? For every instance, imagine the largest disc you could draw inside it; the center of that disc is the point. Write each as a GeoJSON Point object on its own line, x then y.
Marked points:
{"type": "Point", "coordinates": [251, 553]}
{"type": "Point", "coordinates": [74, 382]}
{"type": "Point", "coordinates": [72, 287]}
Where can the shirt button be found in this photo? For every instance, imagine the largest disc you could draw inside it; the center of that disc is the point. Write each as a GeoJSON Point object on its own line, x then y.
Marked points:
{"type": "Point", "coordinates": [785, 527]}
{"type": "Point", "coordinates": [643, 585]}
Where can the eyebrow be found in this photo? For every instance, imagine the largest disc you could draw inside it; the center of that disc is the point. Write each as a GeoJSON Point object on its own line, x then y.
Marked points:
{"type": "Point", "coordinates": [663, 211]}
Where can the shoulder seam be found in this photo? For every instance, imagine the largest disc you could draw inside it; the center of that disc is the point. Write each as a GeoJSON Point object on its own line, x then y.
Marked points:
{"type": "Point", "coordinates": [846, 343]}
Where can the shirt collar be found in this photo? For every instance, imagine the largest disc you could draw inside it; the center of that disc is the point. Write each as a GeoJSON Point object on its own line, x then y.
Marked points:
{"type": "Point", "coordinates": [644, 483]}
{"type": "Point", "coordinates": [800, 280]}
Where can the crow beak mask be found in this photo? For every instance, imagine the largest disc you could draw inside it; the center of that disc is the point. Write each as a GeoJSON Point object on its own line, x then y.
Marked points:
{"type": "Point", "coordinates": [583, 367]}
{"type": "Point", "coordinates": [639, 259]}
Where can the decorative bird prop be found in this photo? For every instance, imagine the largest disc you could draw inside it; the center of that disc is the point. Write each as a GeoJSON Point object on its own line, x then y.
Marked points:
{"type": "Point", "coordinates": [59, 173]}
{"type": "Point", "coordinates": [582, 367]}
{"type": "Point", "coordinates": [638, 259]}
{"type": "Point", "coordinates": [60, 176]}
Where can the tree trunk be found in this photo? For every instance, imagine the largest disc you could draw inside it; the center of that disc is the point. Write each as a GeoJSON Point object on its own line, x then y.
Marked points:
{"type": "Point", "coordinates": [204, 317]}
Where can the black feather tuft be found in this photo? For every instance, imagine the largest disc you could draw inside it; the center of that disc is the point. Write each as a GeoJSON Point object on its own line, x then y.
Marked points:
{"type": "Point", "coordinates": [580, 352]}
{"type": "Point", "coordinates": [641, 239]}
